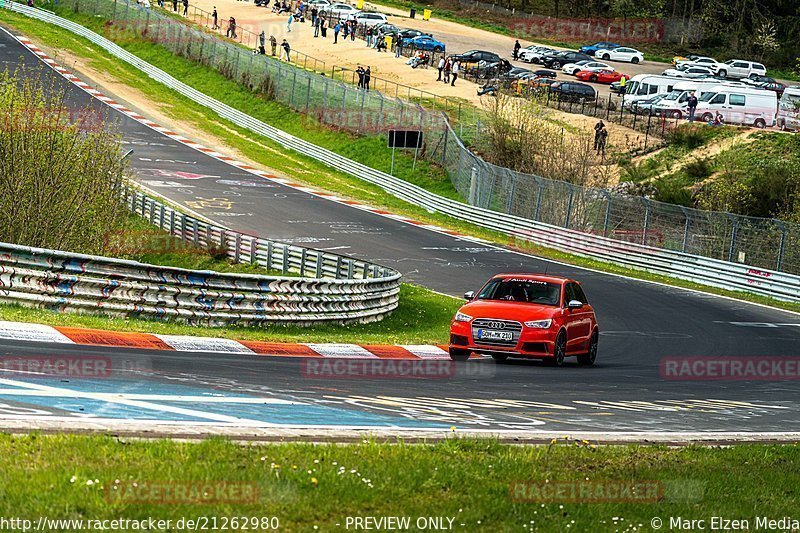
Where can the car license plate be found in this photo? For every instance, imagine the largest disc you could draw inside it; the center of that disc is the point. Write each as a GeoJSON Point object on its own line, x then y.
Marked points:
{"type": "Point", "coordinates": [490, 334]}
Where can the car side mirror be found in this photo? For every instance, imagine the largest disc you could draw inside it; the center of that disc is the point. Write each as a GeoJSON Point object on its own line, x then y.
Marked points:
{"type": "Point", "coordinates": [575, 304]}
{"type": "Point", "coordinates": [469, 295]}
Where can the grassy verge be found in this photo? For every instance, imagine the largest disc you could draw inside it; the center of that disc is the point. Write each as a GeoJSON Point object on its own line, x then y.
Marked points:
{"type": "Point", "coordinates": [300, 167]}
{"type": "Point", "coordinates": [316, 487]}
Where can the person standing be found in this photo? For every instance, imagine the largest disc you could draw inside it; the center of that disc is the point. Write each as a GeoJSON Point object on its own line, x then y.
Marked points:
{"type": "Point", "coordinates": [175, 5]}
{"type": "Point", "coordinates": [289, 23]}
{"type": "Point", "coordinates": [455, 70]}
{"type": "Point", "coordinates": [316, 24]}
{"type": "Point", "coordinates": [367, 78]}
{"type": "Point", "coordinates": [323, 26]}
{"type": "Point", "coordinates": [398, 49]}
{"type": "Point", "coordinates": [336, 30]}
{"type": "Point", "coordinates": [360, 72]}
{"type": "Point", "coordinates": [601, 144]}
{"type": "Point", "coordinates": [273, 42]}
{"type": "Point", "coordinates": [597, 127]}
{"type": "Point", "coordinates": [448, 66]}
{"type": "Point", "coordinates": [287, 49]}
{"type": "Point", "coordinates": [185, 8]}
{"type": "Point", "coordinates": [262, 41]}
{"type": "Point", "coordinates": [214, 25]}
{"type": "Point", "coordinates": [515, 53]}
{"type": "Point", "coordinates": [353, 27]}
{"type": "Point", "coordinates": [691, 103]}
{"type": "Point", "coordinates": [440, 68]}
{"type": "Point", "coordinates": [314, 13]}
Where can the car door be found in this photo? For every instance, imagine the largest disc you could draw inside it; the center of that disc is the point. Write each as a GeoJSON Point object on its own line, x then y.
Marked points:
{"type": "Point", "coordinates": [572, 318]}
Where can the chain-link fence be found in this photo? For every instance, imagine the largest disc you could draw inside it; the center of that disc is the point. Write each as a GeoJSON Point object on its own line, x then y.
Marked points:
{"type": "Point", "coordinates": [764, 243]}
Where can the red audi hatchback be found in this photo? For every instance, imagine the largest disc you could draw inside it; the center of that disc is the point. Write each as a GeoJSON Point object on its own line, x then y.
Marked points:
{"type": "Point", "coordinates": [528, 316]}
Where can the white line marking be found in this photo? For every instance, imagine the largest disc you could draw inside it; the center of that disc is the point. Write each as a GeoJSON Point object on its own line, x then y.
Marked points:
{"type": "Point", "coordinates": [342, 351]}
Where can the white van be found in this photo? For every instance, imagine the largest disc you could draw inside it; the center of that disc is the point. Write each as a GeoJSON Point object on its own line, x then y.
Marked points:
{"type": "Point", "coordinates": [674, 105]}
{"type": "Point", "coordinates": [739, 105]}
{"type": "Point", "coordinates": [644, 86]}
{"type": "Point", "coordinates": [789, 109]}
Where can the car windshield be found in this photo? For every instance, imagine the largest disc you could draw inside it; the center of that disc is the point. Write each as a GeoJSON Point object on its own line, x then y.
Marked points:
{"type": "Point", "coordinates": [790, 102]}
{"type": "Point", "coordinates": [522, 290]}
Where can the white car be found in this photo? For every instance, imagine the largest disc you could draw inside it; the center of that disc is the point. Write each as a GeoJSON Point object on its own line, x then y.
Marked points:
{"type": "Point", "coordinates": [689, 72]}
{"type": "Point", "coordinates": [370, 19]}
{"type": "Point", "coordinates": [533, 54]}
{"type": "Point", "coordinates": [739, 68]}
{"type": "Point", "coordinates": [342, 11]}
{"type": "Point", "coordinates": [595, 66]}
{"type": "Point", "coordinates": [708, 62]}
{"type": "Point", "coordinates": [622, 53]}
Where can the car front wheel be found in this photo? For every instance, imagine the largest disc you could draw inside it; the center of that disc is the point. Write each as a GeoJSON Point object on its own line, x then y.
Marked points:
{"type": "Point", "coordinates": [556, 64]}
{"type": "Point", "coordinates": [458, 354]}
{"type": "Point", "coordinates": [590, 356]}
{"type": "Point", "coordinates": [634, 60]}
{"type": "Point", "coordinates": [559, 350]}
{"type": "Point", "coordinates": [606, 57]}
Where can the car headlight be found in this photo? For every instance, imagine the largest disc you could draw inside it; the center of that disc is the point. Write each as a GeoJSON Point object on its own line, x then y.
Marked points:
{"type": "Point", "coordinates": [539, 324]}
{"type": "Point", "coordinates": [461, 317]}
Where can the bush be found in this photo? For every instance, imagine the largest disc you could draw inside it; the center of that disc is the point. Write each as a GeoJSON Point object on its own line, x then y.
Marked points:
{"type": "Point", "coordinates": [60, 168]}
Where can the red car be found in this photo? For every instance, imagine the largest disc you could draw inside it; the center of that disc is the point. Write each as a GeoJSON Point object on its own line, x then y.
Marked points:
{"type": "Point", "coordinates": [601, 76]}
{"type": "Point", "coordinates": [529, 316]}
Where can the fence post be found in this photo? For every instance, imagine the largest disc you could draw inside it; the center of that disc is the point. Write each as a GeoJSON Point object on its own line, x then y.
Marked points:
{"type": "Point", "coordinates": [607, 218]}
{"type": "Point", "coordinates": [539, 194]}
{"type": "Point", "coordinates": [646, 220]}
{"type": "Point", "coordinates": [685, 229]}
{"type": "Point", "coordinates": [294, 83]}
{"type": "Point", "coordinates": [473, 185]}
{"type": "Point", "coordinates": [569, 205]}
{"type": "Point", "coordinates": [734, 235]}
{"type": "Point", "coordinates": [781, 245]}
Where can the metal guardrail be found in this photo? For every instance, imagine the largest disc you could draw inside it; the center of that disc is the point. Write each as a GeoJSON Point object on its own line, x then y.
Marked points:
{"type": "Point", "coordinates": [335, 289]}
{"type": "Point", "coordinates": [704, 270]}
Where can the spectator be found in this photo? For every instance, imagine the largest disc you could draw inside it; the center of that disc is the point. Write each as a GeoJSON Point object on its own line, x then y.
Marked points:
{"type": "Point", "coordinates": [623, 81]}
{"type": "Point", "coordinates": [314, 13]}
{"type": "Point", "coordinates": [360, 71]}
{"type": "Point", "coordinates": [276, 6]}
{"type": "Point", "coordinates": [273, 42]}
{"type": "Point", "coordinates": [262, 41]}
{"type": "Point", "coordinates": [316, 25]}
{"type": "Point", "coordinates": [175, 5]}
{"type": "Point", "coordinates": [289, 23]}
{"type": "Point", "coordinates": [448, 66]}
{"type": "Point", "coordinates": [597, 127]}
{"type": "Point", "coordinates": [367, 78]}
{"type": "Point", "coordinates": [161, 4]}
{"type": "Point", "coordinates": [231, 28]}
{"type": "Point", "coordinates": [185, 7]}
{"type": "Point", "coordinates": [336, 30]}
{"type": "Point", "coordinates": [691, 103]}
{"type": "Point", "coordinates": [382, 46]}
{"type": "Point", "coordinates": [323, 26]}
{"type": "Point", "coordinates": [368, 35]}
{"type": "Point", "coordinates": [490, 87]}
{"type": "Point", "coordinates": [718, 120]}
{"type": "Point", "coordinates": [345, 30]}
{"type": "Point", "coordinates": [353, 27]}
{"type": "Point", "coordinates": [398, 49]}
{"type": "Point", "coordinates": [440, 67]}
{"type": "Point", "coordinates": [378, 39]}
{"type": "Point", "coordinates": [455, 69]}
{"type": "Point", "coordinates": [515, 53]}
{"type": "Point", "coordinates": [601, 141]}
{"type": "Point", "coordinates": [287, 49]}
{"type": "Point", "coordinates": [214, 25]}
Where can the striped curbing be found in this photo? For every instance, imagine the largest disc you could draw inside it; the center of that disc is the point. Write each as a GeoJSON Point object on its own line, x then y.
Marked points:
{"type": "Point", "coordinates": [22, 331]}
{"type": "Point", "coordinates": [222, 157]}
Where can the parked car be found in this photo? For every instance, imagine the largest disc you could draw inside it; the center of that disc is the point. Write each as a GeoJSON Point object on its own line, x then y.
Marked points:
{"type": "Point", "coordinates": [689, 72]}
{"type": "Point", "coordinates": [601, 76]}
{"type": "Point", "coordinates": [644, 86]}
{"type": "Point", "coordinates": [488, 69]}
{"type": "Point", "coordinates": [645, 107]}
{"type": "Point", "coordinates": [406, 33]}
{"type": "Point", "coordinates": [774, 86]}
{"type": "Point", "coordinates": [474, 56]}
{"type": "Point", "coordinates": [424, 42]}
{"type": "Point", "coordinates": [557, 59]}
{"type": "Point", "coordinates": [570, 91]}
{"type": "Point", "coordinates": [739, 68]}
{"type": "Point", "coordinates": [529, 316]}
{"type": "Point", "coordinates": [592, 48]}
{"type": "Point", "coordinates": [586, 64]}
{"type": "Point", "coordinates": [739, 105]}
{"type": "Point", "coordinates": [788, 117]}
{"type": "Point", "coordinates": [690, 57]}
{"type": "Point", "coordinates": [543, 73]}
{"type": "Point", "coordinates": [370, 19]}
{"type": "Point", "coordinates": [629, 55]}
{"type": "Point", "coordinates": [342, 11]}
{"type": "Point", "coordinates": [534, 54]}
{"type": "Point", "coordinates": [757, 79]}
{"type": "Point", "coordinates": [699, 61]}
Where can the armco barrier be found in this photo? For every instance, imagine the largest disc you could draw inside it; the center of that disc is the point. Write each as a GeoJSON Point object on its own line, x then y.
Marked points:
{"type": "Point", "coordinates": [704, 270]}
{"type": "Point", "coordinates": [336, 290]}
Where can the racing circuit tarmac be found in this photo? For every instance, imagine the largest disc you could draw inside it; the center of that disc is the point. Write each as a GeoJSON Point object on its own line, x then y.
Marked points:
{"type": "Point", "coordinates": [641, 324]}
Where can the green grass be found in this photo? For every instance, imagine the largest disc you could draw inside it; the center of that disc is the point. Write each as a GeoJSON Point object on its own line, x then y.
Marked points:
{"type": "Point", "coordinates": [307, 485]}
{"type": "Point", "coordinates": [303, 168]}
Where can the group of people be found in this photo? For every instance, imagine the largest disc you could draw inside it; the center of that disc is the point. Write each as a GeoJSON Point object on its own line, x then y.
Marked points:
{"type": "Point", "coordinates": [600, 137]}
{"type": "Point", "coordinates": [420, 59]}
{"type": "Point", "coordinates": [262, 46]}
{"type": "Point", "coordinates": [364, 77]}
{"type": "Point", "coordinates": [448, 70]}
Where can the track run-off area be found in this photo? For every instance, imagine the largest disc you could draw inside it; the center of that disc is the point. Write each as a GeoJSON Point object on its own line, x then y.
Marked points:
{"type": "Point", "coordinates": [213, 388]}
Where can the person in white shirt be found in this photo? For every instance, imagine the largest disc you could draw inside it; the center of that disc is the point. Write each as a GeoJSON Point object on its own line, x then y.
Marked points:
{"type": "Point", "coordinates": [441, 68]}
{"type": "Point", "coordinates": [454, 73]}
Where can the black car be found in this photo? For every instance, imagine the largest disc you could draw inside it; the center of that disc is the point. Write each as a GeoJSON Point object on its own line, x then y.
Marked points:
{"type": "Point", "coordinates": [560, 59]}
{"type": "Point", "coordinates": [542, 73]}
{"type": "Point", "coordinates": [474, 56]}
{"type": "Point", "coordinates": [409, 33]}
{"type": "Point", "coordinates": [570, 91]}
{"type": "Point", "coordinates": [484, 70]}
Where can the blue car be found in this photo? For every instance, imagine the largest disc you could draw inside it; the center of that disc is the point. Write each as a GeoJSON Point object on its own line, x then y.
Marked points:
{"type": "Point", "coordinates": [424, 42]}
{"type": "Point", "coordinates": [592, 48]}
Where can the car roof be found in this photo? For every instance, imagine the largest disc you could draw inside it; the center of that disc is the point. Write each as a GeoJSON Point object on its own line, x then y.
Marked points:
{"type": "Point", "coordinates": [535, 277]}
